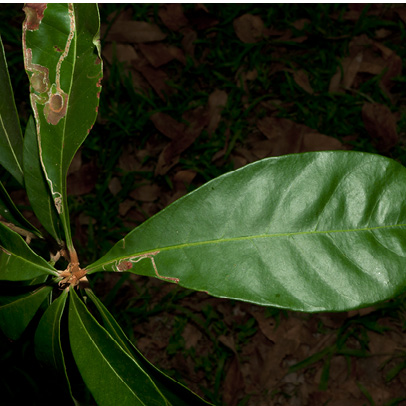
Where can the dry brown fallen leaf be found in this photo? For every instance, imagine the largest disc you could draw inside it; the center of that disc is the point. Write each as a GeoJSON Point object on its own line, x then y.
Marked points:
{"type": "Point", "coordinates": [123, 53]}
{"type": "Point", "coordinates": [200, 18]}
{"type": "Point", "coordinates": [128, 160]}
{"type": "Point", "coordinates": [167, 125]}
{"type": "Point", "coordinates": [302, 79]}
{"type": "Point", "coordinates": [183, 178]}
{"type": "Point", "coordinates": [114, 185]}
{"type": "Point", "coordinates": [400, 10]}
{"type": "Point", "coordinates": [189, 42]}
{"type": "Point", "coordinates": [217, 101]}
{"type": "Point", "coordinates": [249, 28]}
{"type": "Point", "coordinates": [301, 23]}
{"type": "Point", "coordinates": [159, 54]}
{"type": "Point", "coordinates": [289, 137]}
{"type": "Point", "coordinates": [197, 119]}
{"type": "Point", "coordinates": [146, 193]}
{"type": "Point", "coordinates": [234, 385]}
{"type": "Point", "coordinates": [83, 180]}
{"type": "Point", "coordinates": [367, 56]}
{"type": "Point", "coordinates": [380, 123]}
{"type": "Point", "coordinates": [172, 16]}
{"type": "Point", "coordinates": [133, 32]}
{"type": "Point", "coordinates": [125, 206]}
{"type": "Point", "coordinates": [346, 73]}
{"type": "Point", "coordinates": [191, 335]}
{"type": "Point", "coordinates": [157, 78]}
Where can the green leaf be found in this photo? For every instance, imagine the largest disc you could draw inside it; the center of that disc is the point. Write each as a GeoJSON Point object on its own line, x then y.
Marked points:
{"type": "Point", "coordinates": [9, 211]}
{"type": "Point", "coordinates": [48, 346]}
{"type": "Point", "coordinates": [174, 392]}
{"type": "Point", "coordinates": [36, 185]}
{"type": "Point", "coordinates": [322, 231]}
{"type": "Point", "coordinates": [17, 261]}
{"type": "Point", "coordinates": [17, 311]}
{"type": "Point", "coordinates": [62, 59]}
{"type": "Point", "coordinates": [11, 138]}
{"type": "Point", "coordinates": [111, 374]}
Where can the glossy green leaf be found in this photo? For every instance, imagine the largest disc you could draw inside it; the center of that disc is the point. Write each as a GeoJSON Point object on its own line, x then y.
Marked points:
{"type": "Point", "coordinates": [174, 392]}
{"type": "Point", "coordinates": [111, 374]}
{"type": "Point", "coordinates": [48, 346]}
{"type": "Point", "coordinates": [11, 138]}
{"type": "Point", "coordinates": [17, 311]}
{"type": "Point", "coordinates": [62, 58]}
{"type": "Point", "coordinates": [9, 211]}
{"type": "Point", "coordinates": [36, 185]}
{"type": "Point", "coordinates": [18, 262]}
{"type": "Point", "coordinates": [322, 231]}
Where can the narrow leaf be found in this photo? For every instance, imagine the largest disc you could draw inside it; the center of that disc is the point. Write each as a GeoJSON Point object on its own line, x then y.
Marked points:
{"type": "Point", "coordinates": [174, 392]}
{"type": "Point", "coordinates": [36, 185]}
{"type": "Point", "coordinates": [110, 373]}
{"type": "Point", "coordinates": [48, 346]}
{"type": "Point", "coordinates": [17, 260]}
{"type": "Point", "coordinates": [321, 231]}
{"type": "Point", "coordinates": [17, 311]}
{"type": "Point", "coordinates": [11, 138]}
{"type": "Point", "coordinates": [9, 211]}
{"type": "Point", "coordinates": [62, 59]}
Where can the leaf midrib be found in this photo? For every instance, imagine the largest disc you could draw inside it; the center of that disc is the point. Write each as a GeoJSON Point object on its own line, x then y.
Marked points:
{"type": "Point", "coordinates": [10, 144]}
{"type": "Point", "coordinates": [84, 327]}
{"type": "Point", "coordinates": [34, 264]}
{"type": "Point", "coordinates": [242, 238]}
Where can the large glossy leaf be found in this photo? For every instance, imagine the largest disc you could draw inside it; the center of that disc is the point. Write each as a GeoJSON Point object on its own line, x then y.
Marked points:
{"type": "Point", "coordinates": [36, 185]}
{"type": "Point", "coordinates": [111, 374]}
{"type": "Point", "coordinates": [11, 139]}
{"type": "Point", "coordinates": [323, 231]}
{"type": "Point", "coordinates": [62, 59]}
{"type": "Point", "coordinates": [17, 261]}
{"type": "Point", "coordinates": [174, 392]}
{"type": "Point", "coordinates": [17, 311]}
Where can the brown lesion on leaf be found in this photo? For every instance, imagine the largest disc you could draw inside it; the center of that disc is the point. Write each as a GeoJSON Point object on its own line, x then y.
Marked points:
{"type": "Point", "coordinates": [124, 266]}
{"type": "Point", "coordinates": [55, 107]}
{"type": "Point", "coordinates": [39, 78]}
{"type": "Point", "coordinates": [34, 14]}
{"type": "Point", "coordinates": [5, 251]}
{"type": "Point", "coordinates": [127, 263]}
{"type": "Point", "coordinates": [28, 235]}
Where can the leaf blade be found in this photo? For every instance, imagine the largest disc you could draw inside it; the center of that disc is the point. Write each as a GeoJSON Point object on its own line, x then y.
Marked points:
{"type": "Point", "coordinates": [65, 77]}
{"type": "Point", "coordinates": [11, 138]}
{"type": "Point", "coordinates": [36, 185]}
{"type": "Point", "coordinates": [320, 231]}
{"type": "Point", "coordinates": [48, 335]}
{"type": "Point", "coordinates": [47, 339]}
{"type": "Point", "coordinates": [101, 359]}
{"type": "Point", "coordinates": [17, 261]}
{"type": "Point", "coordinates": [174, 392]}
{"type": "Point", "coordinates": [9, 211]}
{"type": "Point", "coordinates": [17, 311]}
